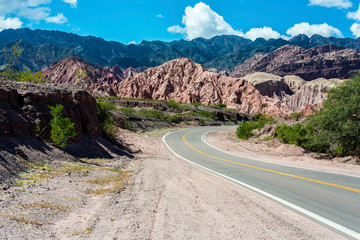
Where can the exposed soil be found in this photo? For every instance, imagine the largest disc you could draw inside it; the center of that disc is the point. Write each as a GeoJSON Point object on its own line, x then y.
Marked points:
{"type": "Point", "coordinates": [165, 198]}
{"type": "Point", "coordinates": [274, 151]}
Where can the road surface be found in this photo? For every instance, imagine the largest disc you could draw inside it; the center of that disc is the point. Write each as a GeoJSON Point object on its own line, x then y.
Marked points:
{"type": "Point", "coordinates": [332, 200]}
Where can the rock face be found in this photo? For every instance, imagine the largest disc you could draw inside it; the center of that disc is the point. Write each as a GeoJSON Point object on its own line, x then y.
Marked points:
{"type": "Point", "coordinates": [185, 81]}
{"type": "Point", "coordinates": [25, 105]}
{"type": "Point", "coordinates": [99, 80]}
{"type": "Point", "coordinates": [325, 61]}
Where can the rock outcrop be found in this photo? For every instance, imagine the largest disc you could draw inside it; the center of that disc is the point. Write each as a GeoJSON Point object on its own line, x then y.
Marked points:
{"type": "Point", "coordinates": [23, 106]}
{"type": "Point", "coordinates": [325, 61]}
{"type": "Point", "coordinates": [98, 80]}
{"type": "Point", "coordinates": [185, 81]}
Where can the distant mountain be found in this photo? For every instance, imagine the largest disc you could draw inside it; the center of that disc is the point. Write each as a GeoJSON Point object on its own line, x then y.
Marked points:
{"type": "Point", "coordinates": [325, 61]}
{"type": "Point", "coordinates": [220, 52]}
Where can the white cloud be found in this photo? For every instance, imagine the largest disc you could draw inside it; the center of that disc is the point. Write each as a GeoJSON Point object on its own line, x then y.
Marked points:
{"type": "Point", "coordinates": [159, 16]}
{"type": "Point", "coordinates": [73, 3]}
{"type": "Point", "coordinates": [6, 23]}
{"type": "Point", "coordinates": [176, 29]}
{"type": "Point", "coordinates": [33, 10]}
{"type": "Point", "coordinates": [332, 3]}
{"type": "Point", "coordinates": [202, 21]}
{"type": "Point", "coordinates": [355, 29]}
{"type": "Point", "coordinates": [354, 15]}
{"type": "Point", "coordinates": [264, 32]}
{"type": "Point", "coordinates": [132, 42]}
{"type": "Point", "coordinates": [58, 19]}
{"type": "Point", "coordinates": [324, 30]}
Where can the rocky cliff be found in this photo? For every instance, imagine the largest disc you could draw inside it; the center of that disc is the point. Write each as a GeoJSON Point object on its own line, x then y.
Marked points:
{"type": "Point", "coordinates": [97, 80]}
{"type": "Point", "coordinates": [185, 81]}
{"type": "Point", "coordinates": [325, 61]}
{"type": "Point", "coordinates": [23, 106]}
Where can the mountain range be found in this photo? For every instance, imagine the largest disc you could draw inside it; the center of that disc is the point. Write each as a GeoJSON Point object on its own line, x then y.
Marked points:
{"type": "Point", "coordinates": [43, 47]}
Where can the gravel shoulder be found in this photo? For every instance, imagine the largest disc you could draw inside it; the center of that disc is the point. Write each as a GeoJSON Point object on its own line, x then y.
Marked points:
{"type": "Point", "coordinates": [163, 198]}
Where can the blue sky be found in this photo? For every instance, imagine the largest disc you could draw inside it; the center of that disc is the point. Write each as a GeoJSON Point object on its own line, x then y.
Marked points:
{"type": "Point", "coordinates": [137, 20]}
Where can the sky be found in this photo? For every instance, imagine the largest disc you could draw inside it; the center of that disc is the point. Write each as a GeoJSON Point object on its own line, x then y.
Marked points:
{"type": "Point", "coordinates": [136, 20]}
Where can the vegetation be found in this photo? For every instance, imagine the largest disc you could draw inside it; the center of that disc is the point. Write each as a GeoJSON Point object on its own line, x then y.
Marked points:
{"type": "Point", "coordinates": [105, 119]}
{"type": "Point", "coordinates": [296, 116]}
{"type": "Point", "coordinates": [295, 134]}
{"type": "Point", "coordinates": [82, 78]}
{"type": "Point", "coordinates": [207, 115]}
{"type": "Point", "coordinates": [9, 72]}
{"type": "Point", "coordinates": [245, 129]}
{"type": "Point", "coordinates": [173, 104]}
{"type": "Point", "coordinates": [61, 128]}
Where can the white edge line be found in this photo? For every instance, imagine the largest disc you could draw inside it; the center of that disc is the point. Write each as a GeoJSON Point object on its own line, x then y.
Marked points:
{"type": "Point", "coordinates": [321, 219]}
{"type": "Point", "coordinates": [203, 138]}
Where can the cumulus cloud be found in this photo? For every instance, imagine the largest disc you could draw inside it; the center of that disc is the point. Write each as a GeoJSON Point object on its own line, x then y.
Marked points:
{"type": "Point", "coordinates": [58, 19]}
{"type": "Point", "coordinates": [202, 21]}
{"type": "Point", "coordinates": [264, 32]}
{"type": "Point", "coordinates": [6, 23]}
{"type": "Point", "coordinates": [73, 3]}
{"type": "Point", "coordinates": [354, 15]}
{"type": "Point", "coordinates": [159, 16]}
{"type": "Point", "coordinates": [355, 29]}
{"type": "Point", "coordinates": [324, 30]}
{"type": "Point", "coordinates": [332, 3]}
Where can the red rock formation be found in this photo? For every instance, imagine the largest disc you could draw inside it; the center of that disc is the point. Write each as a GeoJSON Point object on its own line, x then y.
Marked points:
{"type": "Point", "coordinates": [98, 80]}
{"type": "Point", "coordinates": [322, 61]}
{"type": "Point", "coordinates": [185, 81]}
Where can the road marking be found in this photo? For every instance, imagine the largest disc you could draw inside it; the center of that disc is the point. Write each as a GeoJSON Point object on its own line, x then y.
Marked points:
{"type": "Point", "coordinates": [308, 213]}
{"type": "Point", "coordinates": [269, 170]}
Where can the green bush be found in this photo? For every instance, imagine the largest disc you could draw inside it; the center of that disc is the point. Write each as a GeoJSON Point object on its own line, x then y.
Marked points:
{"type": "Point", "coordinates": [151, 113]}
{"type": "Point", "coordinates": [296, 116]}
{"type": "Point", "coordinates": [173, 104]}
{"type": "Point", "coordinates": [207, 115]}
{"type": "Point", "coordinates": [127, 111]}
{"type": "Point", "coordinates": [293, 134]}
{"type": "Point", "coordinates": [244, 130]}
{"type": "Point", "coordinates": [105, 119]}
{"type": "Point", "coordinates": [61, 128]}
{"type": "Point", "coordinates": [173, 118]}
{"type": "Point", "coordinates": [128, 125]}
{"type": "Point", "coordinates": [196, 104]}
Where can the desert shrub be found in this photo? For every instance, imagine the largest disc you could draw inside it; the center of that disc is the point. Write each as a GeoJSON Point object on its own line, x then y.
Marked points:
{"type": "Point", "coordinates": [127, 111]}
{"type": "Point", "coordinates": [293, 134]}
{"type": "Point", "coordinates": [296, 116]}
{"type": "Point", "coordinates": [173, 104]}
{"type": "Point", "coordinates": [196, 104]}
{"type": "Point", "coordinates": [151, 113]}
{"type": "Point", "coordinates": [105, 119]}
{"type": "Point", "coordinates": [202, 121]}
{"type": "Point", "coordinates": [261, 120]}
{"type": "Point", "coordinates": [244, 130]}
{"type": "Point", "coordinates": [173, 118]}
{"type": "Point", "coordinates": [128, 125]}
{"type": "Point", "coordinates": [207, 115]}
{"type": "Point", "coordinates": [61, 128]}
{"type": "Point", "coordinates": [317, 142]}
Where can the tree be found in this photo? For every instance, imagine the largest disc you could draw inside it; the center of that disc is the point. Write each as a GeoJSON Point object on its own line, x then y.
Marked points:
{"type": "Point", "coordinates": [12, 58]}
{"type": "Point", "coordinates": [340, 117]}
{"type": "Point", "coordinates": [61, 128]}
{"type": "Point", "coordinates": [82, 78]}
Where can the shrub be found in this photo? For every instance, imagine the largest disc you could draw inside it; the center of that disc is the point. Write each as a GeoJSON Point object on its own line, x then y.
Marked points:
{"type": "Point", "coordinates": [207, 115]}
{"type": "Point", "coordinates": [294, 134]}
{"type": "Point", "coordinates": [128, 125]}
{"type": "Point", "coordinates": [127, 111]}
{"type": "Point", "coordinates": [244, 130]}
{"type": "Point", "coordinates": [173, 104]}
{"type": "Point", "coordinates": [105, 119]}
{"type": "Point", "coordinates": [61, 128]}
{"type": "Point", "coordinates": [196, 104]}
{"type": "Point", "coordinates": [151, 113]}
{"type": "Point", "coordinates": [296, 116]}
{"type": "Point", "coordinates": [173, 119]}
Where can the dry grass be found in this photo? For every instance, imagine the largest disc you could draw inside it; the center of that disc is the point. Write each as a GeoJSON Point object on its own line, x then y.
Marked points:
{"type": "Point", "coordinates": [94, 160]}
{"type": "Point", "coordinates": [20, 219]}
{"type": "Point", "coordinates": [86, 231]}
{"type": "Point", "coordinates": [113, 183]}
{"type": "Point", "coordinates": [45, 205]}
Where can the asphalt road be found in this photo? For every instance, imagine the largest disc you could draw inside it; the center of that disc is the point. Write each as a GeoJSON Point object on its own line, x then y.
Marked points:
{"type": "Point", "coordinates": [333, 200]}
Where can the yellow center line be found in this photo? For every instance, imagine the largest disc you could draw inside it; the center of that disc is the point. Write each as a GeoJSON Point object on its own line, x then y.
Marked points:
{"type": "Point", "coordinates": [269, 170]}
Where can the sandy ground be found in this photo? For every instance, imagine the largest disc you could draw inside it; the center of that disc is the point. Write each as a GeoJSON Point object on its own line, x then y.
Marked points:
{"type": "Point", "coordinates": [274, 151]}
{"type": "Point", "coordinates": [165, 198]}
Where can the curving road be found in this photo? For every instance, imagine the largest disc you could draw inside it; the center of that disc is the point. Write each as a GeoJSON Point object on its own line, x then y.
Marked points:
{"type": "Point", "coordinates": [333, 200]}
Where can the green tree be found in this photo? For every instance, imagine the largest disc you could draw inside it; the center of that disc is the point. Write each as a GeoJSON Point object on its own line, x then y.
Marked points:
{"type": "Point", "coordinates": [61, 128]}
{"type": "Point", "coordinates": [82, 78]}
{"type": "Point", "coordinates": [339, 119]}
{"type": "Point", "coordinates": [9, 72]}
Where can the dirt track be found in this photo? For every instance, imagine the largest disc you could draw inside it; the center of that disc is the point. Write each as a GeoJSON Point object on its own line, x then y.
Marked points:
{"type": "Point", "coordinates": [166, 198]}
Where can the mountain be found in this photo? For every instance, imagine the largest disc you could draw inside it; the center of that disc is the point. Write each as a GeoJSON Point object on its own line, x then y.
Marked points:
{"type": "Point", "coordinates": [96, 79]}
{"type": "Point", "coordinates": [183, 80]}
{"type": "Point", "coordinates": [325, 61]}
{"type": "Point", "coordinates": [220, 52]}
